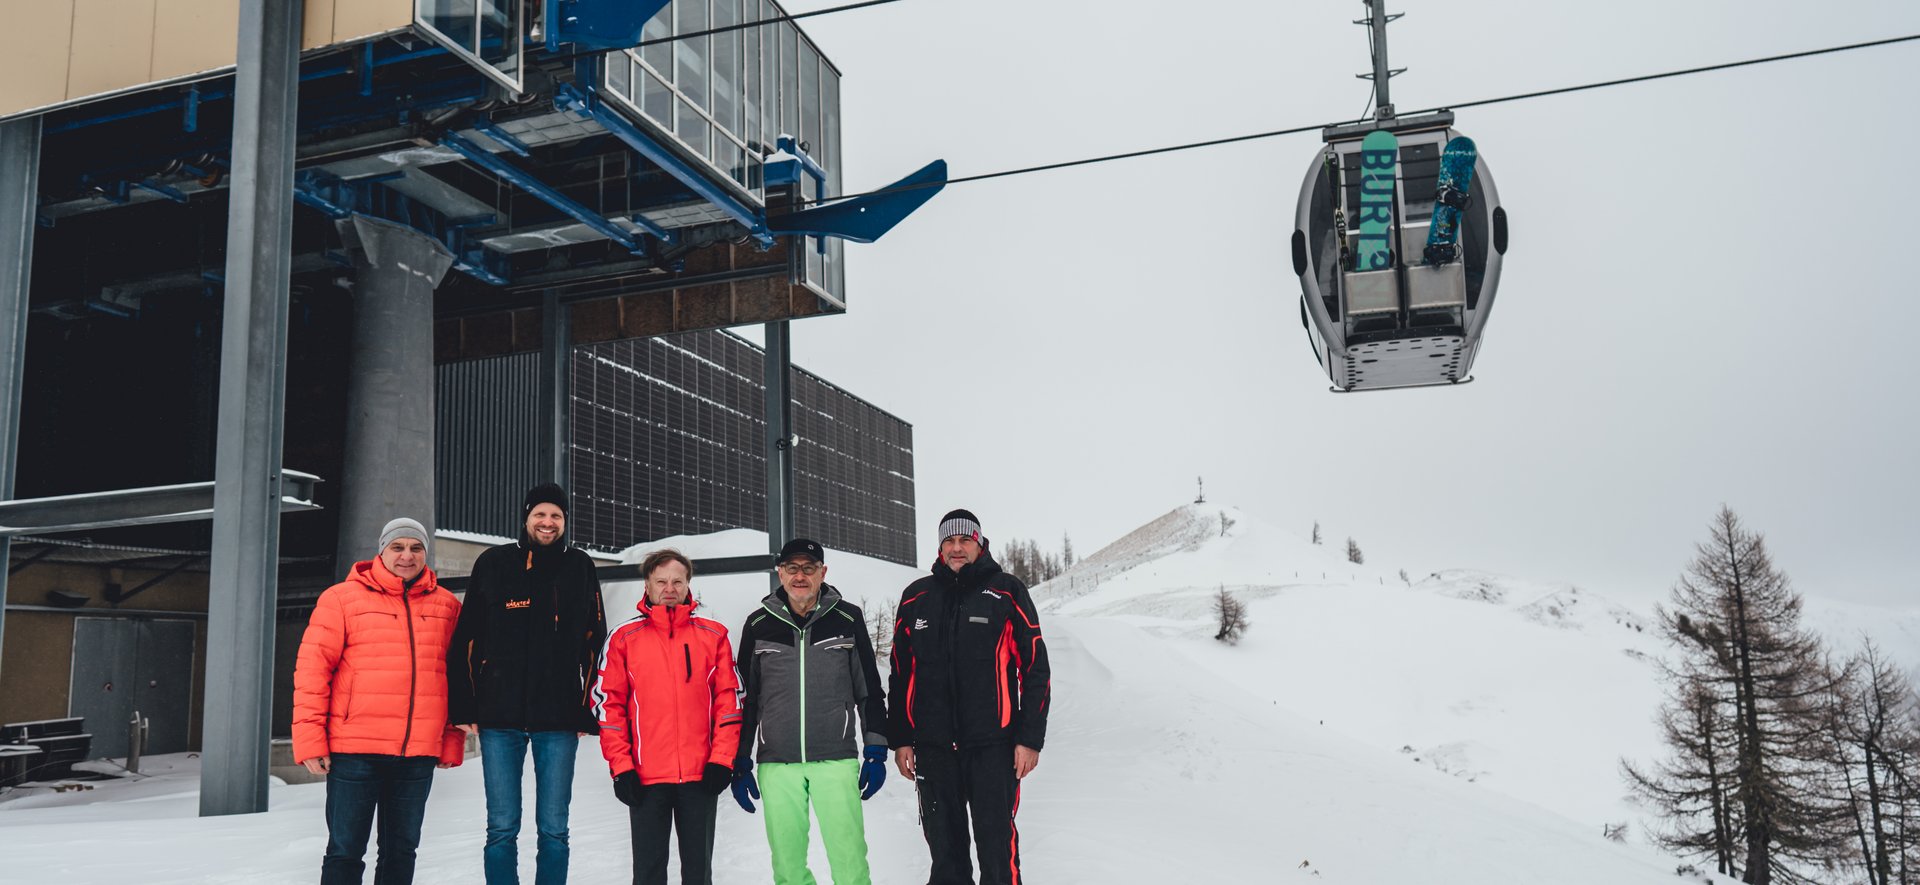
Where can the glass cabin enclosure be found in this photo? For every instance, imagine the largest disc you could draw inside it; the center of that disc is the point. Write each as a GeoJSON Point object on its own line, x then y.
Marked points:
{"type": "Point", "coordinates": [725, 99]}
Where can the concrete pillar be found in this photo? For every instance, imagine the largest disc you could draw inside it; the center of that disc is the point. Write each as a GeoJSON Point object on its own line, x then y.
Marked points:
{"type": "Point", "coordinates": [19, 190]}
{"type": "Point", "coordinates": [388, 469]}
{"type": "Point", "coordinates": [243, 587]}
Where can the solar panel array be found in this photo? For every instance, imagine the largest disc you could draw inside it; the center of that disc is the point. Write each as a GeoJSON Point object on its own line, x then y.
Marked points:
{"type": "Point", "coordinates": [668, 438]}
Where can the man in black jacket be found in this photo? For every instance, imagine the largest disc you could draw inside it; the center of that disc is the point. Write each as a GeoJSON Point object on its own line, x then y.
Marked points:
{"type": "Point", "coordinates": [969, 712]}
{"type": "Point", "coordinates": [523, 658]}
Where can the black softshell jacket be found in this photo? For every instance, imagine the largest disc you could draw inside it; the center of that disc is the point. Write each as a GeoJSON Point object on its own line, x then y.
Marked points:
{"type": "Point", "coordinates": [528, 642]}
{"type": "Point", "coordinates": [810, 686]}
{"type": "Point", "coordinates": [969, 666]}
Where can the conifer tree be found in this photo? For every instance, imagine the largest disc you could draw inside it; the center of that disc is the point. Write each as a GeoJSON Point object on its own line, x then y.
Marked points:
{"type": "Point", "coordinates": [1745, 691]}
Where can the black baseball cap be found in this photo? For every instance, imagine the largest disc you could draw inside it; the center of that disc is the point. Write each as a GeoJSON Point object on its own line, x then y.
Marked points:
{"type": "Point", "coordinates": [799, 547]}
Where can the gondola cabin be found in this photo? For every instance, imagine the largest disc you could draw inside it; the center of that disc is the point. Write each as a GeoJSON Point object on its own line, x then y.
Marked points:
{"type": "Point", "coordinates": [1381, 309]}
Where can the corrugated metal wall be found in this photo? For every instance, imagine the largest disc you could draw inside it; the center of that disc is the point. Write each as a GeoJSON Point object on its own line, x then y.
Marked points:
{"type": "Point", "coordinates": [486, 433]}
{"type": "Point", "coordinates": [668, 440]}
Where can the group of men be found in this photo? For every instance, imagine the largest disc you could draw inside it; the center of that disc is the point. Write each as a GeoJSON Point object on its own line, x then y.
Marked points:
{"type": "Point", "coordinates": [394, 673]}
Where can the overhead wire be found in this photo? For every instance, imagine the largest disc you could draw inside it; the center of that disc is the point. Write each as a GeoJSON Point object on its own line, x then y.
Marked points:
{"type": "Point", "coordinates": [723, 29]}
{"type": "Point", "coordinates": [1295, 130]}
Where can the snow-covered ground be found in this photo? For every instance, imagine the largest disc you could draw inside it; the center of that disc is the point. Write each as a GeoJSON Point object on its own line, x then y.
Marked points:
{"type": "Point", "coordinates": [1460, 727]}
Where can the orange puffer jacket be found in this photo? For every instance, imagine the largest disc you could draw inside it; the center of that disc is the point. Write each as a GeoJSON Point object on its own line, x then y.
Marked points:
{"type": "Point", "coordinates": [372, 671]}
{"type": "Point", "coordinates": [667, 696]}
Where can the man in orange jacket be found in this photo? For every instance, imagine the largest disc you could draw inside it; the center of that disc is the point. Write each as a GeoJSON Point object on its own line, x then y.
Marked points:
{"type": "Point", "coordinates": [370, 704]}
{"type": "Point", "coordinates": [667, 699]}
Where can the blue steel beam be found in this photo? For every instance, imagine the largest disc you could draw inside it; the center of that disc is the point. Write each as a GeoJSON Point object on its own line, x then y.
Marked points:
{"type": "Point", "coordinates": [598, 24]}
{"type": "Point", "coordinates": [547, 194]}
{"type": "Point", "coordinates": [487, 128]}
{"type": "Point", "coordinates": [866, 218]}
{"type": "Point", "coordinates": [569, 98]}
{"type": "Point", "coordinates": [339, 198]}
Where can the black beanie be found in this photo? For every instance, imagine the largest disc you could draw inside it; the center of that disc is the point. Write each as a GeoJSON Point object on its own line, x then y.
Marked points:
{"type": "Point", "coordinates": [545, 493]}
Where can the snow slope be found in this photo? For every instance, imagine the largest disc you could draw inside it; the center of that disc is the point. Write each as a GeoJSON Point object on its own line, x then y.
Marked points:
{"type": "Point", "coordinates": [1170, 757]}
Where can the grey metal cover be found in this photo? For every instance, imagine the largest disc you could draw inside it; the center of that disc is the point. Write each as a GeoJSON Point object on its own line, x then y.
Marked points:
{"type": "Point", "coordinates": [1407, 362]}
{"type": "Point", "coordinates": [1372, 292]}
{"type": "Point", "coordinates": [1431, 287]}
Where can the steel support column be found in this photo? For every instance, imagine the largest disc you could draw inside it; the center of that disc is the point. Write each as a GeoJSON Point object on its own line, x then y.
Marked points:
{"type": "Point", "coordinates": [780, 441]}
{"type": "Point", "coordinates": [19, 197]}
{"type": "Point", "coordinates": [388, 468]}
{"type": "Point", "coordinates": [244, 581]}
{"type": "Point", "coordinates": [556, 377]}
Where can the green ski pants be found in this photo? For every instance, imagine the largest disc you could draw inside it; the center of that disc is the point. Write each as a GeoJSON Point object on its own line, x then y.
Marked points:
{"type": "Point", "coordinates": [834, 790]}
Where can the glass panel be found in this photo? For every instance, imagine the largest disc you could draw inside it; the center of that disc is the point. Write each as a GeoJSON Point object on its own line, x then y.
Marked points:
{"type": "Point", "coordinates": [690, 126]}
{"type": "Point", "coordinates": [620, 74]}
{"type": "Point", "coordinates": [750, 83]}
{"type": "Point", "coordinates": [500, 36]}
{"type": "Point", "coordinates": [452, 18]}
{"type": "Point", "coordinates": [837, 268]}
{"type": "Point", "coordinates": [769, 80]}
{"type": "Point", "coordinates": [809, 129]}
{"type": "Point", "coordinates": [656, 101]}
{"type": "Point", "coordinates": [726, 67]}
{"type": "Point", "coordinates": [789, 80]}
{"type": "Point", "coordinates": [829, 155]}
{"type": "Point", "coordinates": [690, 54]}
{"type": "Point", "coordinates": [659, 56]}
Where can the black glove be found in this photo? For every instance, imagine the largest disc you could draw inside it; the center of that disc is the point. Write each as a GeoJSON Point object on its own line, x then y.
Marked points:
{"type": "Point", "coordinates": [626, 788]}
{"type": "Point", "coordinates": [717, 778]}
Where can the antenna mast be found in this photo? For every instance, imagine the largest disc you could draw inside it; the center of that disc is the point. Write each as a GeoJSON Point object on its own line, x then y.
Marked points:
{"type": "Point", "coordinates": [1377, 20]}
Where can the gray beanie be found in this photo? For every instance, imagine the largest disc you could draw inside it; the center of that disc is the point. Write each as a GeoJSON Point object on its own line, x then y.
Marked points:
{"type": "Point", "coordinates": [403, 527]}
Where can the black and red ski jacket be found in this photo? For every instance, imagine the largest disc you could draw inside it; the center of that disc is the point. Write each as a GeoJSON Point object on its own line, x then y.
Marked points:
{"type": "Point", "coordinates": [969, 666]}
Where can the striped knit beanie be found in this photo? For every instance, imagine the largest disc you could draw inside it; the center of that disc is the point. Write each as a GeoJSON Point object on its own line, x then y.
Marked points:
{"type": "Point", "coordinates": [960, 522]}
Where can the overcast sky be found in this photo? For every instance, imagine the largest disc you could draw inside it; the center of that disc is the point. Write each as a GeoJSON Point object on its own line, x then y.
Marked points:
{"type": "Point", "coordinates": [1710, 295]}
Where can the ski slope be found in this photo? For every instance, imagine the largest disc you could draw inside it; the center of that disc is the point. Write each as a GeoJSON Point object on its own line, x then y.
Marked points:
{"type": "Point", "coordinates": [1459, 730]}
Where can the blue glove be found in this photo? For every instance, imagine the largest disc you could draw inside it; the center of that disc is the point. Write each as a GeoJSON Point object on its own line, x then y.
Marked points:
{"type": "Point", "coordinates": [873, 772]}
{"type": "Point", "coordinates": [744, 786]}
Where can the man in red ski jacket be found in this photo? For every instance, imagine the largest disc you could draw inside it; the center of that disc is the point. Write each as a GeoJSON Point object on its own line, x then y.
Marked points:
{"type": "Point", "coordinates": [667, 700]}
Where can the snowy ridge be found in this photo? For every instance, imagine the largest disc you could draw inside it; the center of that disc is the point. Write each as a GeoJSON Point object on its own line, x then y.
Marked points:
{"type": "Point", "coordinates": [1467, 672]}
{"type": "Point", "coordinates": [1172, 566]}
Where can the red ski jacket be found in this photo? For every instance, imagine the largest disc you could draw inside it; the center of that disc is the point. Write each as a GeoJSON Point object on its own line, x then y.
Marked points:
{"type": "Point", "coordinates": [667, 697]}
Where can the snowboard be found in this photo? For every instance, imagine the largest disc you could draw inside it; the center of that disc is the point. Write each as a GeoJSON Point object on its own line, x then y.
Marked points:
{"type": "Point", "coordinates": [1379, 166]}
{"type": "Point", "coordinates": [1453, 193]}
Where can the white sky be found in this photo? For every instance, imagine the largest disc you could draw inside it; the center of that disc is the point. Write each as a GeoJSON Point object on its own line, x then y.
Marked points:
{"type": "Point", "coordinates": [1707, 298]}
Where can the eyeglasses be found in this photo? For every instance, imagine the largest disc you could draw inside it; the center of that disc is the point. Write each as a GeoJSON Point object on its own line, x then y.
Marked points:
{"type": "Point", "coordinates": [794, 568]}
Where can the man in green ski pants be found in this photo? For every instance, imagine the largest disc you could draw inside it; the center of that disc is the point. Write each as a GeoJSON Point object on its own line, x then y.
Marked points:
{"type": "Point", "coordinates": [806, 667]}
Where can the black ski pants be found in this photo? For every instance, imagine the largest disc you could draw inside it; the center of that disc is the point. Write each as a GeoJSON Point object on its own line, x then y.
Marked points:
{"type": "Point", "coordinates": [955, 781]}
{"type": "Point", "coordinates": [688, 810]}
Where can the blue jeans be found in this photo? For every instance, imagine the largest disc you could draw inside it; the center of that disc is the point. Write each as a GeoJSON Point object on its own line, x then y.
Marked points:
{"type": "Point", "coordinates": [361, 787]}
{"type": "Point", "coordinates": [503, 756]}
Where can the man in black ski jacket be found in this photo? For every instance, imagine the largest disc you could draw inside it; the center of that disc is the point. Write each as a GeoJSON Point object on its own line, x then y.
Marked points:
{"type": "Point", "coordinates": [969, 712]}
{"type": "Point", "coordinates": [523, 658]}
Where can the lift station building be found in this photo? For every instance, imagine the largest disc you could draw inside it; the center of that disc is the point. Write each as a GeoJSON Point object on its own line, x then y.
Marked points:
{"type": "Point", "coordinates": [398, 257]}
